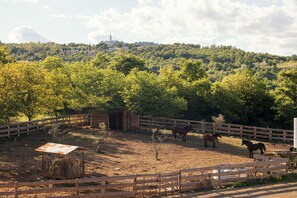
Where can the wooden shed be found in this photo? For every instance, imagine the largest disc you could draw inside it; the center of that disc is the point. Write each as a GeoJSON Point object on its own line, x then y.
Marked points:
{"type": "Point", "coordinates": [119, 120]}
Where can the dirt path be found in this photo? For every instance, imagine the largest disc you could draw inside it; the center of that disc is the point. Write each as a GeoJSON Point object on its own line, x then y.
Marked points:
{"type": "Point", "coordinates": [283, 190]}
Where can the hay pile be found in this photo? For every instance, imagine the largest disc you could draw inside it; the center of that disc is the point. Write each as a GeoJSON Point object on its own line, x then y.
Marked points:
{"type": "Point", "coordinates": [65, 167]}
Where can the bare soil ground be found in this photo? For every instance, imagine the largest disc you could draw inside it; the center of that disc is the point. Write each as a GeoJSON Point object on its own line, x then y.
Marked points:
{"type": "Point", "coordinates": [125, 153]}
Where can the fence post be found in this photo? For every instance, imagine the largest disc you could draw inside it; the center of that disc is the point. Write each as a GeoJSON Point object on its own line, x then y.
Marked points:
{"type": "Point", "coordinates": [8, 131]}
{"type": "Point", "coordinates": [28, 128]}
{"type": "Point", "coordinates": [16, 189]}
{"type": "Point", "coordinates": [103, 189]}
{"type": "Point", "coordinates": [270, 135]}
{"type": "Point", "coordinates": [179, 181]}
{"type": "Point", "coordinates": [229, 129]}
{"type": "Point", "coordinates": [284, 136]}
{"type": "Point", "coordinates": [159, 183]}
{"type": "Point", "coordinates": [134, 185]}
{"type": "Point", "coordinates": [240, 131]}
{"type": "Point", "coordinates": [202, 125]}
{"type": "Point", "coordinates": [76, 187]}
{"type": "Point", "coordinates": [255, 168]}
{"type": "Point", "coordinates": [255, 133]}
{"type": "Point", "coordinates": [18, 130]}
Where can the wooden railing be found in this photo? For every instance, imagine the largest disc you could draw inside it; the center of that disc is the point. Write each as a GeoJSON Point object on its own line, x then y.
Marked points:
{"type": "Point", "coordinates": [251, 132]}
{"type": "Point", "coordinates": [149, 184]}
{"type": "Point", "coordinates": [20, 128]}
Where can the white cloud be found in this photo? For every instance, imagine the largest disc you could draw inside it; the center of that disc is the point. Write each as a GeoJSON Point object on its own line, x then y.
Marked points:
{"type": "Point", "coordinates": [24, 34]}
{"type": "Point", "coordinates": [268, 28]}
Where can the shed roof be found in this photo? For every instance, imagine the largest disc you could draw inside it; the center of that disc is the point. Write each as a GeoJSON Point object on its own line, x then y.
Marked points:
{"type": "Point", "coordinates": [61, 149]}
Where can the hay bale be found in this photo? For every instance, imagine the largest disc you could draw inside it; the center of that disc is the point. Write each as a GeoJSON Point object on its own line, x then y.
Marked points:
{"type": "Point", "coordinates": [65, 167]}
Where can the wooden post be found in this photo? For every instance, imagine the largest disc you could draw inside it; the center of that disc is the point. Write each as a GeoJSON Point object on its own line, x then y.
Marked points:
{"type": "Point", "coordinates": [270, 134]}
{"type": "Point", "coordinates": [255, 133]}
{"type": "Point", "coordinates": [28, 128]}
{"type": "Point", "coordinates": [139, 122]}
{"type": "Point", "coordinates": [8, 131]}
{"type": "Point", "coordinates": [179, 181]}
{"type": "Point", "coordinates": [229, 129]}
{"type": "Point", "coordinates": [240, 131]}
{"type": "Point", "coordinates": [255, 168]}
{"type": "Point", "coordinates": [202, 126]}
{"type": "Point", "coordinates": [134, 184]}
{"type": "Point", "coordinates": [76, 187]}
{"type": "Point", "coordinates": [159, 182]}
{"type": "Point", "coordinates": [18, 130]}
{"type": "Point", "coordinates": [284, 136]}
{"type": "Point", "coordinates": [16, 189]}
{"type": "Point", "coordinates": [103, 189]}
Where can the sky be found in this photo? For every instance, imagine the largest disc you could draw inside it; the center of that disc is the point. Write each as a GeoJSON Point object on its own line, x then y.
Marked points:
{"type": "Point", "coordinates": [267, 26]}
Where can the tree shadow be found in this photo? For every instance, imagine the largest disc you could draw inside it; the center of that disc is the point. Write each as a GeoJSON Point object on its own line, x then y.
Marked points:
{"type": "Point", "coordinates": [194, 140]}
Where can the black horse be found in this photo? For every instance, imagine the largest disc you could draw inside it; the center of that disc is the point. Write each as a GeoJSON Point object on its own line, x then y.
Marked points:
{"type": "Point", "coordinates": [211, 138]}
{"type": "Point", "coordinates": [182, 131]}
{"type": "Point", "coordinates": [251, 147]}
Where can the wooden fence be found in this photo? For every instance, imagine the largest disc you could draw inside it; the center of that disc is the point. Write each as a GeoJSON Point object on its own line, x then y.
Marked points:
{"type": "Point", "coordinates": [20, 128]}
{"type": "Point", "coordinates": [251, 132]}
{"type": "Point", "coordinates": [149, 184]}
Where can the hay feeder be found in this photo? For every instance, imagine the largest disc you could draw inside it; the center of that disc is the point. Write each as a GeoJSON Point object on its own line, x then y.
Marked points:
{"type": "Point", "coordinates": [62, 161]}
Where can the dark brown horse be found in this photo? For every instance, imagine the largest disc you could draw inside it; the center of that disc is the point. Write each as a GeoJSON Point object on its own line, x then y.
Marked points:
{"type": "Point", "coordinates": [251, 147]}
{"type": "Point", "coordinates": [182, 131]}
{"type": "Point", "coordinates": [211, 138]}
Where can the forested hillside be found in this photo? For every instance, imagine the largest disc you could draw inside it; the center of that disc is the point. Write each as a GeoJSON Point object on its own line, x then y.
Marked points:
{"type": "Point", "coordinates": [179, 80]}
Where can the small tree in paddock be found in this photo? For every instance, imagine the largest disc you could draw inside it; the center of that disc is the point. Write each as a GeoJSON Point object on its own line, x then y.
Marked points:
{"type": "Point", "coordinates": [104, 135]}
{"type": "Point", "coordinates": [157, 140]}
{"type": "Point", "coordinates": [58, 132]}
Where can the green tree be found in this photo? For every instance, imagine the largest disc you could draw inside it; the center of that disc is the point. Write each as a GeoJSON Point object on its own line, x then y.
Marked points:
{"type": "Point", "coordinates": [58, 89]}
{"type": "Point", "coordinates": [146, 95]}
{"type": "Point", "coordinates": [33, 89]}
{"type": "Point", "coordinates": [101, 60]}
{"type": "Point", "coordinates": [242, 98]}
{"type": "Point", "coordinates": [9, 92]}
{"type": "Point", "coordinates": [191, 70]}
{"type": "Point", "coordinates": [53, 62]}
{"type": "Point", "coordinates": [125, 62]}
{"type": "Point", "coordinates": [95, 88]}
{"type": "Point", "coordinates": [286, 98]}
{"type": "Point", "coordinates": [5, 56]}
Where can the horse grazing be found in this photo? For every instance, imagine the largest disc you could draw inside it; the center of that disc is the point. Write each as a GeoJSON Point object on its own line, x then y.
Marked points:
{"type": "Point", "coordinates": [250, 146]}
{"type": "Point", "coordinates": [182, 131]}
{"type": "Point", "coordinates": [211, 138]}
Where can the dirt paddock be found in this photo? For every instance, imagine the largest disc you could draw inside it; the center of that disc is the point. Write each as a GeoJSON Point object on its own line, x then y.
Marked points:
{"type": "Point", "coordinates": [125, 153]}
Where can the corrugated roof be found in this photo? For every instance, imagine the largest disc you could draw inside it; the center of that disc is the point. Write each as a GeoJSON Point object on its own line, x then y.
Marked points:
{"type": "Point", "coordinates": [61, 149]}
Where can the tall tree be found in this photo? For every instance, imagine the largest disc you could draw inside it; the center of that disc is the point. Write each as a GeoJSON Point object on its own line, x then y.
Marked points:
{"type": "Point", "coordinates": [33, 89]}
{"type": "Point", "coordinates": [286, 98]}
{"type": "Point", "coordinates": [146, 95]}
{"type": "Point", "coordinates": [58, 89]}
{"type": "Point", "coordinates": [9, 92]}
{"type": "Point", "coordinates": [5, 55]}
{"type": "Point", "coordinates": [242, 98]}
{"type": "Point", "coordinates": [101, 60]}
{"type": "Point", "coordinates": [125, 62]}
{"type": "Point", "coordinates": [53, 62]}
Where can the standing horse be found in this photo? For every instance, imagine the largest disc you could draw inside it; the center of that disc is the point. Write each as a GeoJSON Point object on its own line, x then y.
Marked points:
{"type": "Point", "coordinates": [211, 138]}
{"type": "Point", "coordinates": [250, 146]}
{"type": "Point", "coordinates": [182, 131]}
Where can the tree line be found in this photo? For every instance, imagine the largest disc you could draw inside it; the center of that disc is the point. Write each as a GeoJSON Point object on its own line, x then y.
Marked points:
{"type": "Point", "coordinates": [184, 87]}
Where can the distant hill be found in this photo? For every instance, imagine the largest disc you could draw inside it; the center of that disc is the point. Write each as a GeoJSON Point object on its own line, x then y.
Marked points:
{"type": "Point", "coordinates": [218, 61]}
